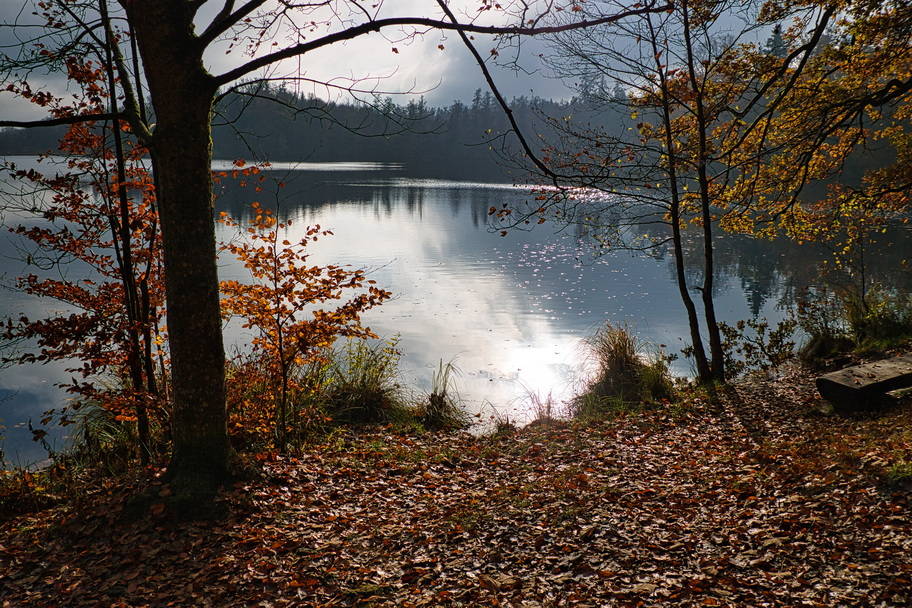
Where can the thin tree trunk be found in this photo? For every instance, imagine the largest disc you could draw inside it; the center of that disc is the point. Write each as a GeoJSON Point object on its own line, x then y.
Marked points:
{"type": "Point", "coordinates": [717, 371]}
{"type": "Point", "coordinates": [704, 371]}
{"type": "Point", "coordinates": [121, 234]}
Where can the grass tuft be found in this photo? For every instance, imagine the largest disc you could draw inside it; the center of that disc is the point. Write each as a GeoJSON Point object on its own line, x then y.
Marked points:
{"type": "Point", "coordinates": [545, 411]}
{"type": "Point", "coordinates": [623, 379]}
{"type": "Point", "coordinates": [362, 384]}
{"type": "Point", "coordinates": [443, 410]}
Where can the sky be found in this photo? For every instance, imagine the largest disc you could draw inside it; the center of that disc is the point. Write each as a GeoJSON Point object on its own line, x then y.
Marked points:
{"type": "Point", "coordinates": [418, 64]}
{"type": "Point", "coordinates": [385, 63]}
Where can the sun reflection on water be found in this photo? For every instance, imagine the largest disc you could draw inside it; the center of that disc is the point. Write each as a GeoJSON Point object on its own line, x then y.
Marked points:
{"type": "Point", "coordinates": [508, 312]}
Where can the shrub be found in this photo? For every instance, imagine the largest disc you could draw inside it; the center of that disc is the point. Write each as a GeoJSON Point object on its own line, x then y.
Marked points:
{"type": "Point", "coordinates": [843, 320]}
{"type": "Point", "coordinates": [751, 344]}
{"type": "Point", "coordinates": [103, 441]}
{"type": "Point", "coordinates": [623, 377]}
{"type": "Point", "coordinates": [880, 319]}
{"type": "Point", "coordinates": [282, 302]}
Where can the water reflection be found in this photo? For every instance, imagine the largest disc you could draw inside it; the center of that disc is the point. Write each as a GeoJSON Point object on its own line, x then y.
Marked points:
{"type": "Point", "coordinates": [508, 311]}
{"type": "Point", "coordinates": [457, 297]}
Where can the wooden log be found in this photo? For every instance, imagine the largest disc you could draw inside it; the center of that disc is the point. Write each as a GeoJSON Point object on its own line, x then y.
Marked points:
{"type": "Point", "coordinates": [856, 386]}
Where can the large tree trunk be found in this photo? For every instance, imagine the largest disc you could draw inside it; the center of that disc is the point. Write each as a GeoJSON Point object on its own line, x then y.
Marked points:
{"type": "Point", "coordinates": [182, 94]}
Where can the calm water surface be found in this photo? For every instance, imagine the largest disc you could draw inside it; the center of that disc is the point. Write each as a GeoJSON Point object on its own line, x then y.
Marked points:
{"type": "Point", "coordinates": [509, 312]}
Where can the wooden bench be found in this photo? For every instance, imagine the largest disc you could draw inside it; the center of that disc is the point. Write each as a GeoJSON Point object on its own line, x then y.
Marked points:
{"type": "Point", "coordinates": [856, 386]}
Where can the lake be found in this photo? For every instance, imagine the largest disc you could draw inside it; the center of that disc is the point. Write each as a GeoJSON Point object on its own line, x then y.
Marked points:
{"type": "Point", "coordinates": [508, 311]}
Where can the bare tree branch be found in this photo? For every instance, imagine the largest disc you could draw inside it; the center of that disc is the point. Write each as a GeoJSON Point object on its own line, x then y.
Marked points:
{"type": "Point", "coordinates": [226, 18]}
{"type": "Point", "coordinates": [375, 26]}
{"type": "Point", "coordinates": [500, 99]}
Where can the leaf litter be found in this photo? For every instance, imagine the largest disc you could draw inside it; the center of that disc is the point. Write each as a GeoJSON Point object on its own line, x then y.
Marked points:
{"type": "Point", "coordinates": [748, 500]}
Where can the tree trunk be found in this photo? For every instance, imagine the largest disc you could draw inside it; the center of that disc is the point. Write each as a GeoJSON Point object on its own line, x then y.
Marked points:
{"type": "Point", "coordinates": [703, 156]}
{"type": "Point", "coordinates": [704, 372]}
{"type": "Point", "coordinates": [182, 94]}
{"type": "Point", "coordinates": [699, 353]}
{"type": "Point", "coordinates": [717, 353]}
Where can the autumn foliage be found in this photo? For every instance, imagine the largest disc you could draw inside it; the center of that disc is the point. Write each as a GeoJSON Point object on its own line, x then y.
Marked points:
{"type": "Point", "coordinates": [100, 224]}
{"type": "Point", "coordinates": [97, 250]}
{"type": "Point", "coordinates": [283, 303]}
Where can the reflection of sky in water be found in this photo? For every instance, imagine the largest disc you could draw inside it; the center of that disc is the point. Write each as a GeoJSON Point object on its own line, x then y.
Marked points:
{"type": "Point", "coordinates": [455, 300]}
{"type": "Point", "coordinates": [34, 394]}
{"type": "Point", "coordinates": [27, 391]}
{"type": "Point", "coordinates": [509, 311]}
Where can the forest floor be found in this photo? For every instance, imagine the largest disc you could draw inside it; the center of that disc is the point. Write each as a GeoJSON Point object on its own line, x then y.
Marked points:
{"type": "Point", "coordinates": [752, 499]}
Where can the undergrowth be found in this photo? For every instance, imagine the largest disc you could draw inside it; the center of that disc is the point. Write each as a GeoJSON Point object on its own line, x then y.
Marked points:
{"type": "Point", "coordinates": [357, 384]}
{"type": "Point", "coordinates": [841, 320]}
{"type": "Point", "coordinates": [362, 384]}
{"type": "Point", "coordinates": [100, 449]}
{"type": "Point", "coordinates": [753, 344]}
{"type": "Point", "coordinates": [624, 378]}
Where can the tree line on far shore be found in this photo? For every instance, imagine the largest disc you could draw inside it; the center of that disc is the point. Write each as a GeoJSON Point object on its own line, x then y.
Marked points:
{"type": "Point", "coordinates": [264, 122]}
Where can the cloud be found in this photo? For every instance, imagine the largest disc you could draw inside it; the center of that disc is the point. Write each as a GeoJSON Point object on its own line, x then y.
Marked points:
{"type": "Point", "coordinates": [422, 68]}
{"type": "Point", "coordinates": [401, 61]}
{"type": "Point", "coordinates": [391, 62]}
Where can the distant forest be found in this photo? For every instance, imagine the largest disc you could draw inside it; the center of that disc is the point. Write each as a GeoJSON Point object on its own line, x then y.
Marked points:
{"type": "Point", "coordinates": [460, 141]}
{"type": "Point", "coordinates": [262, 122]}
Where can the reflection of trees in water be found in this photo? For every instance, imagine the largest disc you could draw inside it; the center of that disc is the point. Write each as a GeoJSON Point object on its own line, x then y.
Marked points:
{"type": "Point", "coordinates": [764, 269]}
{"type": "Point", "coordinates": [783, 268]}
{"type": "Point", "coordinates": [381, 191]}
{"type": "Point", "coordinates": [293, 190]}
{"type": "Point", "coordinates": [759, 275]}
